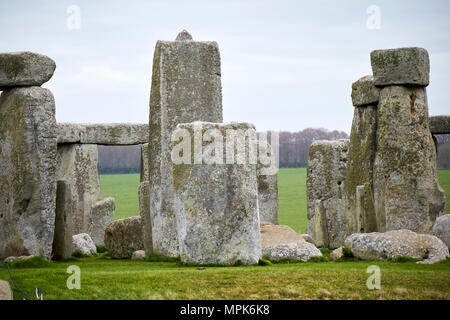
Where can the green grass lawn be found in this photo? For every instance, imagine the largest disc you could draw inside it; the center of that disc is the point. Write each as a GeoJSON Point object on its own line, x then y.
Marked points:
{"type": "Point", "coordinates": [291, 195]}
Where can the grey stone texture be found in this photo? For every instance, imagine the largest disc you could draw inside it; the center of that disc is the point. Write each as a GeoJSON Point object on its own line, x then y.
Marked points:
{"type": "Point", "coordinates": [330, 222]}
{"type": "Point", "coordinates": [267, 189]}
{"type": "Point", "coordinates": [144, 209]}
{"type": "Point", "coordinates": [123, 237]}
{"type": "Point", "coordinates": [27, 172]}
{"type": "Point", "coordinates": [392, 244]}
{"type": "Point", "coordinates": [78, 165]}
{"type": "Point", "coordinates": [281, 242]}
{"type": "Point", "coordinates": [186, 87]}
{"type": "Point", "coordinates": [364, 92]}
{"type": "Point", "coordinates": [18, 69]}
{"type": "Point", "coordinates": [216, 205]}
{"type": "Point", "coordinates": [5, 291]}
{"type": "Point", "coordinates": [441, 228]}
{"type": "Point", "coordinates": [337, 253]}
{"type": "Point", "coordinates": [138, 255]}
{"type": "Point", "coordinates": [406, 190]}
{"type": "Point", "coordinates": [83, 243]}
{"type": "Point", "coordinates": [104, 134]}
{"type": "Point", "coordinates": [403, 66]}
{"type": "Point", "coordinates": [102, 213]}
{"type": "Point", "coordinates": [144, 162]}
{"type": "Point", "coordinates": [439, 124]}
{"type": "Point", "coordinates": [62, 241]}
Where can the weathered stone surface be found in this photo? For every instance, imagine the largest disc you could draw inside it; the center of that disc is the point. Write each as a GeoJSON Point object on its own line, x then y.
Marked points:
{"type": "Point", "coordinates": [144, 162]}
{"type": "Point", "coordinates": [83, 243]}
{"type": "Point", "coordinates": [216, 205]}
{"type": "Point", "coordinates": [359, 176]}
{"type": "Point", "coordinates": [392, 244]}
{"type": "Point", "coordinates": [104, 134]}
{"type": "Point", "coordinates": [281, 242]}
{"type": "Point", "coordinates": [337, 253]}
{"type": "Point", "coordinates": [308, 238]}
{"type": "Point", "coordinates": [364, 92]}
{"type": "Point", "coordinates": [184, 36]}
{"type": "Point", "coordinates": [24, 68]}
{"type": "Point", "coordinates": [138, 255]}
{"type": "Point", "coordinates": [406, 190]}
{"type": "Point", "coordinates": [5, 291]}
{"type": "Point", "coordinates": [186, 87]}
{"type": "Point", "coordinates": [267, 187]}
{"type": "Point", "coordinates": [27, 172]}
{"type": "Point", "coordinates": [144, 209]}
{"type": "Point", "coordinates": [21, 258]}
{"type": "Point", "coordinates": [102, 213]}
{"type": "Point", "coordinates": [403, 66]}
{"type": "Point", "coordinates": [78, 165]}
{"type": "Point", "coordinates": [439, 124]}
{"type": "Point", "coordinates": [441, 229]}
{"type": "Point", "coordinates": [123, 237]}
{"type": "Point", "coordinates": [330, 221]}
{"type": "Point", "coordinates": [62, 241]}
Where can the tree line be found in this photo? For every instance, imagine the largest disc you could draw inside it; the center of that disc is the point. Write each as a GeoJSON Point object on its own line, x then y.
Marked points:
{"type": "Point", "coordinates": [293, 151]}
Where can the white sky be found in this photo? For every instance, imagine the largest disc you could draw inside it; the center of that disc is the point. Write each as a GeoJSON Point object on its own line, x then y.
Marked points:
{"type": "Point", "coordinates": [286, 65]}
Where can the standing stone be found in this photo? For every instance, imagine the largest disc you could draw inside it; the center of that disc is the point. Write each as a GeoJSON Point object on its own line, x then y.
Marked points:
{"type": "Point", "coordinates": [62, 242]}
{"type": "Point", "coordinates": [406, 190]}
{"type": "Point", "coordinates": [267, 186]}
{"type": "Point", "coordinates": [361, 155]}
{"type": "Point", "coordinates": [27, 172]}
{"type": "Point", "coordinates": [123, 237]}
{"type": "Point", "coordinates": [78, 165]}
{"type": "Point", "coordinates": [186, 87]}
{"type": "Point", "coordinates": [102, 213]}
{"type": "Point", "coordinates": [329, 219]}
{"type": "Point", "coordinates": [144, 162]}
{"type": "Point", "coordinates": [18, 69]}
{"type": "Point", "coordinates": [144, 209]}
{"type": "Point", "coordinates": [441, 229]}
{"type": "Point", "coordinates": [84, 244]}
{"type": "Point", "coordinates": [216, 203]}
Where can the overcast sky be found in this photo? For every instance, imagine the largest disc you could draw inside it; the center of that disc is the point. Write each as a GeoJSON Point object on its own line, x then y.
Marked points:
{"type": "Point", "coordinates": [286, 65]}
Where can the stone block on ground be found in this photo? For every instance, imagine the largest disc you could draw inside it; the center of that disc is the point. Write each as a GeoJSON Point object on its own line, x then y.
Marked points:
{"type": "Point", "coordinates": [27, 172]}
{"type": "Point", "coordinates": [83, 243]}
{"type": "Point", "coordinates": [337, 253]}
{"type": "Point", "coordinates": [281, 242]}
{"type": "Point", "coordinates": [398, 243]}
{"type": "Point", "coordinates": [186, 87]}
{"type": "Point", "coordinates": [102, 213]}
{"type": "Point", "coordinates": [123, 237]}
{"type": "Point", "coordinates": [138, 255]}
{"type": "Point", "coordinates": [216, 203]}
{"type": "Point", "coordinates": [403, 66]}
{"type": "Point", "coordinates": [62, 242]}
{"type": "Point", "coordinates": [19, 69]}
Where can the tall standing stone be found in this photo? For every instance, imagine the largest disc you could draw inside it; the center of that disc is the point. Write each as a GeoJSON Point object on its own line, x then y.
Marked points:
{"type": "Point", "coordinates": [361, 154]}
{"type": "Point", "coordinates": [78, 165]}
{"type": "Point", "coordinates": [216, 203]}
{"type": "Point", "coordinates": [27, 172]}
{"type": "Point", "coordinates": [267, 184]}
{"type": "Point", "coordinates": [102, 213]}
{"type": "Point", "coordinates": [62, 242]}
{"type": "Point", "coordinates": [406, 190]}
{"type": "Point", "coordinates": [186, 87]}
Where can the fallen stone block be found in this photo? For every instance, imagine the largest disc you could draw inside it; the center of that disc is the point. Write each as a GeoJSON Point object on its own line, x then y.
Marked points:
{"type": "Point", "coordinates": [281, 242]}
{"type": "Point", "coordinates": [102, 213]}
{"type": "Point", "coordinates": [27, 172]}
{"type": "Point", "coordinates": [20, 69]}
{"type": "Point", "coordinates": [123, 237]}
{"type": "Point", "coordinates": [138, 255]}
{"type": "Point", "coordinates": [186, 87]}
{"type": "Point", "coordinates": [441, 229]}
{"type": "Point", "coordinates": [216, 204]}
{"type": "Point", "coordinates": [403, 66]}
{"type": "Point", "coordinates": [62, 242]}
{"type": "Point", "coordinates": [398, 243]}
{"type": "Point", "coordinates": [84, 244]}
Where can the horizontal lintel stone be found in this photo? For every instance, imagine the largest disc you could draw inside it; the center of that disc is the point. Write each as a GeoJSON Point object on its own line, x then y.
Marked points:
{"type": "Point", "coordinates": [440, 124]}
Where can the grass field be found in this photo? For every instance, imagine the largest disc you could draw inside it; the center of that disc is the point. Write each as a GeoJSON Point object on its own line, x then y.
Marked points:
{"type": "Point", "coordinates": [105, 278]}
{"type": "Point", "coordinates": [291, 195]}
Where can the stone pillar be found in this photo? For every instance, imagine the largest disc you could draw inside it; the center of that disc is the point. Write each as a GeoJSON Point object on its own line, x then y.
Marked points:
{"type": "Point", "coordinates": [267, 184]}
{"type": "Point", "coordinates": [406, 190]}
{"type": "Point", "coordinates": [78, 165]}
{"type": "Point", "coordinates": [325, 181]}
{"type": "Point", "coordinates": [144, 201]}
{"type": "Point", "coordinates": [62, 242]}
{"type": "Point", "coordinates": [102, 213]}
{"type": "Point", "coordinates": [27, 168]}
{"type": "Point", "coordinates": [216, 202]}
{"type": "Point", "coordinates": [186, 87]}
{"type": "Point", "coordinates": [361, 154]}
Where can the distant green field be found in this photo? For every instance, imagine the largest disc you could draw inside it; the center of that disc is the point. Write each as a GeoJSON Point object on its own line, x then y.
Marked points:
{"type": "Point", "coordinates": [291, 195]}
